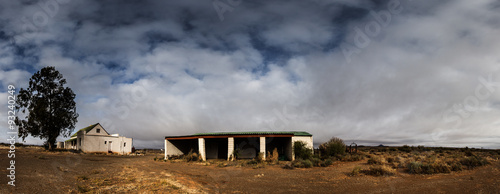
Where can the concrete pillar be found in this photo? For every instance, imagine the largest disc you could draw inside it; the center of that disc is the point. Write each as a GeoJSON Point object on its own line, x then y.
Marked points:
{"type": "Point", "coordinates": [201, 148]}
{"type": "Point", "coordinates": [166, 158]}
{"type": "Point", "coordinates": [230, 148]}
{"type": "Point", "coordinates": [263, 147]}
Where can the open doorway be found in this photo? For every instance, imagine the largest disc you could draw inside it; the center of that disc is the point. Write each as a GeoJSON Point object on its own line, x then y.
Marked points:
{"type": "Point", "coordinates": [216, 148]}
{"type": "Point", "coordinates": [109, 147]}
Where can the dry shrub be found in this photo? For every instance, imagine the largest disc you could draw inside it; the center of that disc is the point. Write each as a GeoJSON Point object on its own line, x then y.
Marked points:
{"type": "Point", "coordinates": [405, 148]}
{"type": "Point", "coordinates": [355, 171]}
{"type": "Point", "coordinates": [260, 157]}
{"type": "Point", "coordinates": [380, 170]}
{"type": "Point", "coordinates": [191, 156]}
{"type": "Point", "coordinates": [335, 146]}
{"type": "Point", "coordinates": [328, 162]}
{"type": "Point", "coordinates": [317, 162]}
{"type": "Point", "coordinates": [456, 166]}
{"type": "Point", "coordinates": [299, 163]}
{"type": "Point", "coordinates": [288, 165]}
{"type": "Point", "coordinates": [416, 167]}
{"type": "Point", "coordinates": [274, 156]}
{"type": "Point", "coordinates": [352, 157]}
{"type": "Point", "coordinates": [473, 161]}
{"type": "Point", "coordinates": [441, 167]}
{"type": "Point", "coordinates": [376, 160]}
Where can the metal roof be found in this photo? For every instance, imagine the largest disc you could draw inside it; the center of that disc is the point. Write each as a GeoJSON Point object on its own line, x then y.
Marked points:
{"type": "Point", "coordinates": [294, 133]}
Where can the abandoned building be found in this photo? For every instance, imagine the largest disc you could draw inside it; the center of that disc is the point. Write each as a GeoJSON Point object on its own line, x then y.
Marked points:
{"type": "Point", "coordinates": [95, 139]}
{"type": "Point", "coordinates": [225, 145]}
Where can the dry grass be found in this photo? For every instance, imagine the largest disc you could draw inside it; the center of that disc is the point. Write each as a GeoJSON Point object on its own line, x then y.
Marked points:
{"type": "Point", "coordinates": [380, 170]}
{"type": "Point", "coordinates": [376, 160]}
{"type": "Point", "coordinates": [272, 157]}
{"type": "Point", "coordinates": [423, 160]}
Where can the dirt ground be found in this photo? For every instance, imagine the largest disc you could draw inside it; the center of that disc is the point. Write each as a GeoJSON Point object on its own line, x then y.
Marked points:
{"type": "Point", "coordinates": [39, 171]}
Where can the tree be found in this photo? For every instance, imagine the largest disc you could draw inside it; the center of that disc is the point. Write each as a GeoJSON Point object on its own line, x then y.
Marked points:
{"type": "Point", "coordinates": [335, 146]}
{"type": "Point", "coordinates": [301, 150]}
{"type": "Point", "coordinates": [51, 107]}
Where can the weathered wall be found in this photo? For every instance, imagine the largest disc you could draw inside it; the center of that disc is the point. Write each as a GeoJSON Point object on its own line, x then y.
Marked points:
{"type": "Point", "coordinates": [171, 149]}
{"type": "Point", "coordinates": [99, 143]}
{"type": "Point", "coordinates": [96, 143]}
{"type": "Point", "coordinates": [93, 131]}
{"type": "Point", "coordinates": [127, 144]}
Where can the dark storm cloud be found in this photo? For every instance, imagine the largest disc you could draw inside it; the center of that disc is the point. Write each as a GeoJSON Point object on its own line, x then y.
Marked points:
{"type": "Point", "coordinates": [147, 69]}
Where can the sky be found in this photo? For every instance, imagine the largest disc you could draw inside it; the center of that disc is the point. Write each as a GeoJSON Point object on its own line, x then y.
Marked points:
{"type": "Point", "coordinates": [371, 72]}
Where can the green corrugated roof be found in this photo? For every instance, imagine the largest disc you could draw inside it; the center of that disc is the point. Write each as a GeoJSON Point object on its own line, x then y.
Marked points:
{"type": "Point", "coordinates": [295, 133]}
{"type": "Point", "coordinates": [86, 129]}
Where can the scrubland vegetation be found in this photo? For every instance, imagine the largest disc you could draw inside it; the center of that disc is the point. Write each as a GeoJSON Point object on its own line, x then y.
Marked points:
{"type": "Point", "coordinates": [380, 161]}
{"type": "Point", "coordinates": [386, 161]}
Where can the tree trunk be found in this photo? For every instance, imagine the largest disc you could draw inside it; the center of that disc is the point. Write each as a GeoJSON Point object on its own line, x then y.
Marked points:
{"type": "Point", "coordinates": [51, 144]}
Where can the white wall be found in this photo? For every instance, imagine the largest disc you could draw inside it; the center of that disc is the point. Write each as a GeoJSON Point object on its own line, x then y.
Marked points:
{"type": "Point", "coordinates": [93, 131]}
{"type": "Point", "coordinates": [171, 149]}
{"type": "Point", "coordinates": [100, 144]}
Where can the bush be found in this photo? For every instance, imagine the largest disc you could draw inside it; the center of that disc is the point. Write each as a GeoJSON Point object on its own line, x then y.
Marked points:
{"type": "Point", "coordinates": [191, 156]}
{"type": "Point", "coordinates": [307, 164]}
{"type": "Point", "coordinates": [355, 171]}
{"type": "Point", "coordinates": [299, 163]}
{"type": "Point", "coordinates": [421, 168]}
{"type": "Point", "coordinates": [468, 153]}
{"type": "Point", "coordinates": [260, 157]}
{"type": "Point", "coordinates": [380, 170]}
{"type": "Point", "coordinates": [441, 167]}
{"type": "Point", "coordinates": [317, 162]}
{"type": "Point", "coordinates": [288, 165]}
{"type": "Point", "coordinates": [335, 146]}
{"type": "Point", "coordinates": [328, 162]}
{"type": "Point", "coordinates": [273, 157]}
{"type": "Point", "coordinates": [236, 153]}
{"type": "Point", "coordinates": [415, 167]}
{"type": "Point", "coordinates": [352, 157]}
{"type": "Point", "coordinates": [456, 166]}
{"type": "Point", "coordinates": [375, 160]}
{"type": "Point", "coordinates": [405, 148]}
{"type": "Point", "coordinates": [474, 161]}
{"type": "Point", "coordinates": [301, 150]}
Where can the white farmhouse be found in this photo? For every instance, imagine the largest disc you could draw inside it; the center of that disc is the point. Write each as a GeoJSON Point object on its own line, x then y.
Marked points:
{"type": "Point", "coordinates": [95, 139]}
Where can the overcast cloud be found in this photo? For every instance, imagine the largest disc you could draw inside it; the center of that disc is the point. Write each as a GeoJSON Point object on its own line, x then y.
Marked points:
{"type": "Point", "coordinates": [390, 72]}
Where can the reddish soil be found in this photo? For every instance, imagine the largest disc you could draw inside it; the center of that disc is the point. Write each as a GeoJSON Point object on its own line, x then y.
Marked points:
{"type": "Point", "coordinates": [39, 171]}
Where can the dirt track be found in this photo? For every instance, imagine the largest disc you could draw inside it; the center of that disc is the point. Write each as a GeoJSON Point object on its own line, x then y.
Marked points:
{"type": "Point", "coordinates": [38, 171]}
